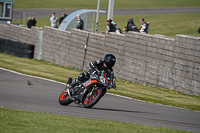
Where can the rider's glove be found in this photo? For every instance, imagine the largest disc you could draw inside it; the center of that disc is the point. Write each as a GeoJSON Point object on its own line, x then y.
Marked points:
{"type": "Point", "coordinates": [97, 71]}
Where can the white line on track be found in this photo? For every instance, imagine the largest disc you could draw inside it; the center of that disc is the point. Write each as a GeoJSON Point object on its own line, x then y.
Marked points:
{"type": "Point", "coordinates": [106, 93]}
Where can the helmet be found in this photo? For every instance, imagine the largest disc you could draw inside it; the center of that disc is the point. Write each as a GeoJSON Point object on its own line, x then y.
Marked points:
{"type": "Point", "coordinates": [109, 59]}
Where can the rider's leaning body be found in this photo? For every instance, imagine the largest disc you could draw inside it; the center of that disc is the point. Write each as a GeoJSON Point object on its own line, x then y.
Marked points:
{"type": "Point", "coordinates": [97, 66]}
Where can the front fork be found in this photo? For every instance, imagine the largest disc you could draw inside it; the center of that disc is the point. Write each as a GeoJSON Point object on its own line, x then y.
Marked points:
{"type": "Point", "coordinates": [69, 81]}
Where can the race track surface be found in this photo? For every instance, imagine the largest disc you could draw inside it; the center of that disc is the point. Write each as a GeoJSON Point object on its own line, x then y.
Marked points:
{"type": "Point", "coordinates": [41, 13]}
{"type": "Point", "coordinates": [34, 94]}
{"type": "Point", "coordinates": [18, 91]}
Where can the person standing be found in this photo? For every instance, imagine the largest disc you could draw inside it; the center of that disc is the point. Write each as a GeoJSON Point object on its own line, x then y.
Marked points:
{"type": "Point", "coordinates": [54, 20]}
{"type": "Point", "coordinates": [110, 26]}
{"type": "Point", "coordinates": [80, 23]}
{"type": "Point", "coordinates": [62, 17]}
{"type": "Point", "coordinates": [33, 22]}
{"type": "Point", "coordinates": [29, 22]}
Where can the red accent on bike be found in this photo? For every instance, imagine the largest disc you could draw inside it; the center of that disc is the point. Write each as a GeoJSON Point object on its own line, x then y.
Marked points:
{"type": "Point", "coordinates": [106, 78]}
{"type": "Point", "coordinates": [63, 96]}
{"type": "Point", "coordinates": [89, 100]}
{"type": "Point", "coordinates": [89, 82]}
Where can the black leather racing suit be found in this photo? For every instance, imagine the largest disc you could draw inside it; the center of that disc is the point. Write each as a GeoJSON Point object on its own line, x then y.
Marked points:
{"type": "Point", "coordinates": [97, 66]}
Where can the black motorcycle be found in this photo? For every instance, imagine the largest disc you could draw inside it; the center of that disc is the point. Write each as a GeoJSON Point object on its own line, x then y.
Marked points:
{"type": "Point", "coordinates": [89, 92]}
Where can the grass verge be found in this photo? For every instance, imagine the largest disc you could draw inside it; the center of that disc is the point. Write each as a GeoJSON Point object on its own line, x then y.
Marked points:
{"type": "Point", "coordinates": [163, 24]}
{"type": "Point", "coordinates": [32, 122]}
{"type": "Point", "coordinates": [61, 73]}
{"type": "Point", "coordinates": [92, 4]}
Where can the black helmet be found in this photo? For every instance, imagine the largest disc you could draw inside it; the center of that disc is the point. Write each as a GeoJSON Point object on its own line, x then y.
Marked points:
{"type": "Point", "coordinates": [109, 59]}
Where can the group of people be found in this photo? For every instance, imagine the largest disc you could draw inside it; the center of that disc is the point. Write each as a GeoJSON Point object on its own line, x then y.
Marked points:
{"type": "Point", "coordinates": [112, 26]}
{"type": "Point", "coordinates": [54, 20]}
{"type": "Point", "coordinates": [31, 22]}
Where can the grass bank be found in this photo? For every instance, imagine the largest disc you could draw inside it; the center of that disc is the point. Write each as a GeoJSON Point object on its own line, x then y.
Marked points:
{"type": "Point", "coordinates": [32, 122]}
{"type": "Point", "coordinates": [92, 4]}
{"type": "Point", "coordinates": [61, 73]}
{"type": "Point", "coordinates": [164, 24]}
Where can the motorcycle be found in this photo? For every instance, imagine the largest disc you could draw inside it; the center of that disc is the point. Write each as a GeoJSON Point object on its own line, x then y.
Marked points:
{"type": "Point", "coordinates": [88, 92]}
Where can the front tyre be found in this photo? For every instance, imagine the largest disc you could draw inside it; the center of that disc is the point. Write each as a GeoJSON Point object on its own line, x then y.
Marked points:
{"type": "Point", "coordinates": [90, 100]}
{"type": "Point", "coordinates": [64, 99]}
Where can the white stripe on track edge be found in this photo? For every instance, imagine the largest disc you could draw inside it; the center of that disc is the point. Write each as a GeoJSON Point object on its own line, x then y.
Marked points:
{"type": "Point", "coordinates": [32, 76]}
{"type": "Point", "coordinates": [106, 93]}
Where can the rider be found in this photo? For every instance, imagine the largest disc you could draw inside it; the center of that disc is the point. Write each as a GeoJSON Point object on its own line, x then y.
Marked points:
{"type": "Point", "coordinates": [97, 66]}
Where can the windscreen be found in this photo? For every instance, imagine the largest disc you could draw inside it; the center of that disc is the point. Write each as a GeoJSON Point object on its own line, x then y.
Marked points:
{"type": "Point", "coordinates": [108, 76]}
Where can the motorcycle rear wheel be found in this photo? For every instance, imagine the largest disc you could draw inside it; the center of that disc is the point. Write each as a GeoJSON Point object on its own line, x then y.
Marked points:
{"type": "Point", "coordinates": [89, 102]}
{"type": "Point", "coordinates": [64, 100]}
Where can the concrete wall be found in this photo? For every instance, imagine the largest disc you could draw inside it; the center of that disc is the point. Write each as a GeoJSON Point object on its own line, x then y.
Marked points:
{"type": "Point", "coordinates": [20, 33]}
{"type": "Point", "coordinates": [141, 58]}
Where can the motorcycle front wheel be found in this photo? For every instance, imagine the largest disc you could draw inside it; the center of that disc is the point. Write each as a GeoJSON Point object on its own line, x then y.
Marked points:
{"type": "Point", "coordinates": [90, 100]}
{"type": "Point", "coordinates": [64, 99]}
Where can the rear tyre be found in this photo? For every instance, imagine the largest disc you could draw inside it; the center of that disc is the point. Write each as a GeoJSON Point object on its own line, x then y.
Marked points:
{"type": "Point", "coordinates": [90, 101]}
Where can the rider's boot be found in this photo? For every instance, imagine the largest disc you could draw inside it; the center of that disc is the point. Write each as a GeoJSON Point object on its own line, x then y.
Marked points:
{"type": "Point", "coordinates": [72, 85]}
{"type": "Point", "coordinates": [77, 81]}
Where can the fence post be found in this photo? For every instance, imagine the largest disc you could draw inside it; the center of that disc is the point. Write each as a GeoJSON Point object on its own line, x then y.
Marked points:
{"type": "Point", "coordinates": [86, 44]}
{"type": "Point", "coordinates": [23, 18]}
{"type": "Point", "coordinates": [39, 50]}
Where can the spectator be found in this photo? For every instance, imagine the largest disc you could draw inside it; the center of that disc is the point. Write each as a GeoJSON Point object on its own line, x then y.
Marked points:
{"type": "Point", "coordinates": [80, 23]}
{"type": "Point", "coordinates": [130, 26]}
{"type": "Point", "coordinates": [33, 22]}
{"type": "Point", "coordinates": [62, 17]}
{"type": "Point", "coordinates": [110, 26]}
{"type": "Point", "coordinates": [144, 27]}
{"type": "Point", "coordinates": [118, 30]}
{"type": "Point", "coordinates": [29, 22]}
{"type": "Point", "coordinates": [54, 20]}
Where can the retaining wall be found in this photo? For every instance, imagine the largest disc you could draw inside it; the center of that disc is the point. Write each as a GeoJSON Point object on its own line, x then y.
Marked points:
{"type": "Point", "coordinates": [20, 33]}
{"type": "Point", "coordinates": [172, 63]}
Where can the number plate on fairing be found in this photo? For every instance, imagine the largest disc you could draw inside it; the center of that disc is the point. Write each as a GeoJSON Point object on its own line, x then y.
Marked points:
{"type": "Point", "coordinates": [89, 82]}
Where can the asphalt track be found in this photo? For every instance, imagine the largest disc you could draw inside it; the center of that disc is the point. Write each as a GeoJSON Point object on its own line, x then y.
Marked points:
{"type": "Point", "coordinates": [41, 13]}
{"type": "Point", "coordinates": [18, 91]}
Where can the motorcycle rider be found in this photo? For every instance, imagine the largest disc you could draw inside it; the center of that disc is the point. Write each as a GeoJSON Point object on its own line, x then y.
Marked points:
{"type": "Point", "coordinates": [97, 66]}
